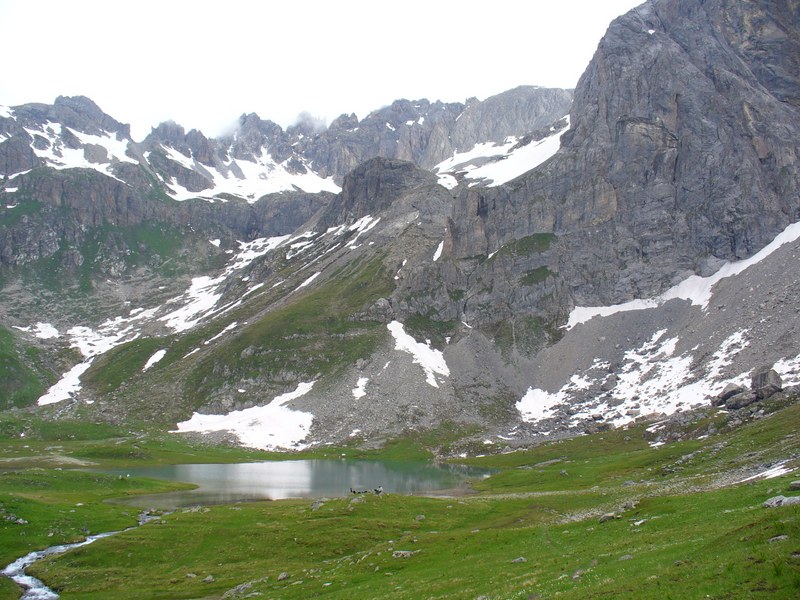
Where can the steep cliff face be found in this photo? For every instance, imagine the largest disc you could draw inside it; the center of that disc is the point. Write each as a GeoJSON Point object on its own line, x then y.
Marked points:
{"type": "Point", "coordinates": [681, 155]}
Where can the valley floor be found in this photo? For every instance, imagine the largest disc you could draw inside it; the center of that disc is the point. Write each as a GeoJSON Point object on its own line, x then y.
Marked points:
{"type": "Point", "coordinates": [597, 516]}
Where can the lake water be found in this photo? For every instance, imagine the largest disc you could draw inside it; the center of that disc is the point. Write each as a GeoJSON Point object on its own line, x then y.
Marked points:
{"type": "Point", "coordinates": [275, 480]}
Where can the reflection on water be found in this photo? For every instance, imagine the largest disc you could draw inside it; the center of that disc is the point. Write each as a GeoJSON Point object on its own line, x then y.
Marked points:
{"type": "Point", "coordinates": [226, 483]}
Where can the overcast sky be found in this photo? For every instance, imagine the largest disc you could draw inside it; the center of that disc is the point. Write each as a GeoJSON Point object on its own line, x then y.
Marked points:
{"type": "Point", "coordinates": [204, 63]}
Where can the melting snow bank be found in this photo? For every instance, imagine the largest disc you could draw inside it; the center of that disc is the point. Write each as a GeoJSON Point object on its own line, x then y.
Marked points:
{"type": "Point", "coordinates": [43, 331]}
{"type": "Point", "coordinates": [67, 386]}
{"type": "Point", "coordinates": [431, 360]}
{"type": "Point", "coordinates": [154, 359]}
{"type": "Point", "coordinates": [501, 163]}
{"type": "Point", "coordinates": [650, 379]}
{"type": "Point", "coordinates": [775, 470]}
{"type": "Point", "coordinates": [269, 427]}
{"type": "Point", "coordinates": [695, 289]}
{"type": "Point", "coordinates": [361, 388]}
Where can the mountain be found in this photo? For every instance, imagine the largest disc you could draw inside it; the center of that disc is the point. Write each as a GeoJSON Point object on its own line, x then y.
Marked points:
{"type": "Point", "coordinates": [540, 263]}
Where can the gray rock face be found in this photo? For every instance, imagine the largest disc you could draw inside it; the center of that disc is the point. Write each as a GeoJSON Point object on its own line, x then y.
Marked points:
{"type": "Point", "coordinates": [374, 187]}
{"type": "Point", "coordinates": [674, 158]}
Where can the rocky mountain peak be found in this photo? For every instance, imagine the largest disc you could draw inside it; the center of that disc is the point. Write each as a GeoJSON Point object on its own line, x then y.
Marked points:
{"type": "Point", "coordinates": [344, 122]}
{"type": "Point", "coordinates": [81, 113]}
{"type": "Point", "coordinates": [167, 132]}
{"type": "Point", "coordinates": [373, 187]}
{"type": "Point", "coordinates": [524, 108]}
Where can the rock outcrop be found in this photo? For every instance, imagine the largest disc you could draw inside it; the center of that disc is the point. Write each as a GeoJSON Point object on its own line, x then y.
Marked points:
{"type": "Point", "coordinates": [680, 156]}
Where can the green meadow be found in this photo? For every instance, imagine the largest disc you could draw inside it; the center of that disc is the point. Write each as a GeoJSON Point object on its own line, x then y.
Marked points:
{"type": "Point", "coordinates": [596, 516]}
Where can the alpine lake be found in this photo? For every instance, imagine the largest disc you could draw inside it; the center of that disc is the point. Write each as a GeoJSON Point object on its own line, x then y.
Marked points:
{"type": "Point", "coordinates": [277, 480]}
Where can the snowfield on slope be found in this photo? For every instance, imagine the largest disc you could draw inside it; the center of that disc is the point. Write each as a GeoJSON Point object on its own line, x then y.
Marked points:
{"type": "Point", "coordinates": [250, 179]}
{"type": "Point", "coordinates": [198, 304]}
{"type": "Point", "coordinates": [492, 164]}
{"type": "Point", "coordinates": [431, 360]}
{"type": "Point", "coordinates": [60, 156]}
{"type": "Point", "coordinates": [695, 289]}
{"type": "Point", "coordinates": [655, 378]}
{"type": "Point", "coordinates": [270, 427]}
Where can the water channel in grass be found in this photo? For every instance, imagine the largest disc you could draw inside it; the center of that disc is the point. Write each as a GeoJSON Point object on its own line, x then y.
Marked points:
{"type": "Point", "coordinates": [276, 480]}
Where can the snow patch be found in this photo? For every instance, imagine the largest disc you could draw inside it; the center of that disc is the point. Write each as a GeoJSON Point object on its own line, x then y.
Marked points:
{"type": "Point", "coordinates": [500, 163]}
{"type": "Point", "coordinates": [431, 360]}
{"type": "Point", "coordinates": [67, 387]}
{"type": "Point", "coordinates": [438, 254]}
{"type": "Point", "coordinates": [652, 378]}
{"type": "Point", "coordinates": [260, 176]}
{"type": "Point", "coordinates": [269, 427]}
{"type": "Point", "coordinates": [308, 281]}
{"type": "Point", "coordinates": [789, 370]}
{"type": "Point", "coordinates": [202, 296]}
{"type": "Point", "coordinates": [115, 148]}
{"type": "Point", "coordinates": [447, 181]}
{"type": "Point", "coordinates": [154, 359]}
{"type": "Point", "coordinates": [59, 156]}
{"type": "Point", "coordinates": [43, 331]}
{"type": "Point", "coordinates": [221, 333]}
{"type": "Point", "coordinates": [538, 404]}
{"type": "Point", "coordinates": [774, 471]}
{"type": "Point", "coordinates": [695, 289]}
{"type": "Point", "coordinates": [362, 226]}
{"type": "Point", "coordinates": [361, 388]}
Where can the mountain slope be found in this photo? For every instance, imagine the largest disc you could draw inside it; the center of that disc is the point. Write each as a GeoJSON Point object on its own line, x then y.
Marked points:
{"type": "Point", "coordinates": [453, 290]}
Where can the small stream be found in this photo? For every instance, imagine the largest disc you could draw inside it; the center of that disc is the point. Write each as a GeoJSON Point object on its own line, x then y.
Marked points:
{"type": "Point", "coordinates": [34, 588]}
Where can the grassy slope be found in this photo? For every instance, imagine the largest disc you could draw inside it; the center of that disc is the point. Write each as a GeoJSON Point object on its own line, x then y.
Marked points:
{"type": "Point", "coordinates": [22, 377]}
{"type": "Point", "coordinates": [309, 334]}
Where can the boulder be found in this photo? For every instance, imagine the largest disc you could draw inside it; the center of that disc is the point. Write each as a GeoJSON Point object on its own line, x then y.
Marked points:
{"type": "Point", "coordinates": [765, 382]}
{"type": "Point", "coordinates": [740, 400]}
{"type": "Point", "coordinates": [610, 383]}
{"type": "Point", "coordinates": [728, 391]}
{"type": "Point", "coordinates": [781, 501]}
{"type": "Point", "coordinates": [609, 517]}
